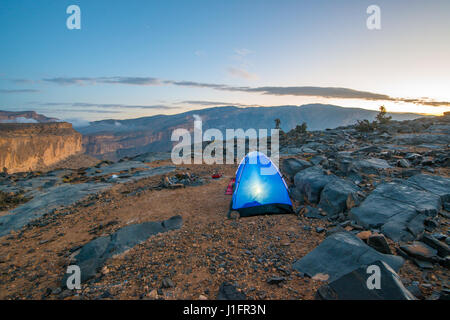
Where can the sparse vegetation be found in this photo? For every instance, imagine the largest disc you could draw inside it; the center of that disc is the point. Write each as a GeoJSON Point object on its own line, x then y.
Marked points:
{"type": "Point", "coordinates": [301, 128]}
{"type": "Point", "coordinates": [10, 200]}
{"type": "Point", "coordinates": [381, 119]}
{"type": "Point", "coordinates": [366, 126]}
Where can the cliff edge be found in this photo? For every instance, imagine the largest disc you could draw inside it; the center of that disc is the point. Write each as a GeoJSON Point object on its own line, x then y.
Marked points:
{"type": "Point", "coordinates": [33, 146]}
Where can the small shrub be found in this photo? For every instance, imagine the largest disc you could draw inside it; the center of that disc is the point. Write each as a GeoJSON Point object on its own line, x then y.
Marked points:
{"type": "Point", "coordinates": [365, 126]}
{"type": "Point", "coordinates": [301, 128]}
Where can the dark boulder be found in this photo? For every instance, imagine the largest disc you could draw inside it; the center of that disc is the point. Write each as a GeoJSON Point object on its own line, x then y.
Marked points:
{"type": "Point", "coordinates": [291, 166]}
{"type": "Point", "coordinates": [311, 181]}
{"type": "Point", "coordinates": [333, 198]}
{"type": "Point", "coordinates": [341, 253]}
{"type": "Point", "coordinates": [442, 248]}
{"type": "Point", "coordinates": [91, 257]}
{"type": "Point", "coordinates": [229, 292]}
{"type": "Point", "coordinates": [354, 285]}
{"type": "Point", "coordinates": [379, 243]}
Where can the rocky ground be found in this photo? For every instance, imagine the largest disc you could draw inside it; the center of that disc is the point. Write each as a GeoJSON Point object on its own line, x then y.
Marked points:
{"type": "Point", "coordinates": [142, 228]}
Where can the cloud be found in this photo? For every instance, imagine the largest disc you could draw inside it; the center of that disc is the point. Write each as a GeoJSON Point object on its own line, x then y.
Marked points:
{"type": "Point", "coordinates": [200, 53]}
{"type": "Point", "coordinates": [108, 105]}
{"type": "Point", "coordinates": [27, 81]}
{"type": "Point", "coordinates": [137, 81]}
{"type": "Point", "coordinates": [216, 103]}
{"type": "Point", "coordinates": [6, 91]}
{"type": "Point", "coordinates": [19, 120]}
{"type": "Point", "coordinates": [242, 52]}
{"type": "Point", "coordinates": [309, 91]}
{"type": "Point", "coordinates": [241, 73]}
{"type": "Point", "coordinates": [197, 84]}
{"type": "Point", "coordinates": [78, 123]}
{"type": "Point", "coordinates": [325, 92]}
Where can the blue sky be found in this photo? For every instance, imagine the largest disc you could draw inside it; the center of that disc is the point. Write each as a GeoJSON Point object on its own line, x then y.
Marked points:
{"type": "Point", "coordinates": [138, 58]}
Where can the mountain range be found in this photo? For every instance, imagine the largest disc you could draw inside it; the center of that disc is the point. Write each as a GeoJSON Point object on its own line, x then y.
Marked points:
{"type": "Point", "coordinates": [114, 139]}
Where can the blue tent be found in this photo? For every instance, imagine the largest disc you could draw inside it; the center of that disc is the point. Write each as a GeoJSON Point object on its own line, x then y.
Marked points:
{"type": "Point", "coordinates": [259, 187]}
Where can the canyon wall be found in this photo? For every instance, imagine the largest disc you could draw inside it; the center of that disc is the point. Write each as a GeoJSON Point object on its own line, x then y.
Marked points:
{"type": "Point", "coordinates": [34, 146]}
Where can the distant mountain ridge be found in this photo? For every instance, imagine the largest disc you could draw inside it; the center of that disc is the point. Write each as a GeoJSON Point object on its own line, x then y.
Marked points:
{"type": "Point", "coordinates": [114, 139]}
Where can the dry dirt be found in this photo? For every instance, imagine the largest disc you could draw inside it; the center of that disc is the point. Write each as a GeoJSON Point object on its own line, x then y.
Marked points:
{"type": "Point", "coordinates": [208, 250]}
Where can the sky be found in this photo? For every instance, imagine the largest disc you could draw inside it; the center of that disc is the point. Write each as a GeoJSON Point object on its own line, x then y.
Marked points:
{"type": "Point", "coordinates": [145, 57]}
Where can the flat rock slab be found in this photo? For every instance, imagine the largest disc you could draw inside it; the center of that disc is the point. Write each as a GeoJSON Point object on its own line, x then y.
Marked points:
{"type": "Point", "coordinates": [146, 173]}
{"type": "Point", "coordinates": [153, 156]}
{"type": "Point", "coordinates": [398, 208]}
{"type": "Point", "coordinates": [91, 257]}
{"type": "Point", "coordinates": [353, 285]}
{"type": "Point", "coordinates": [48, 193]}
{"type": "Point", "coordinates": [31, 185]}
{"type": "Point", "coordinates": [339, 254]}
{"type": "Point", "coordinates": [419, 138]}
{"type": "Point", "coordinates": [45, 201]}
{"type": "Point", "coordinates": [116, 168]}
{"type": "Point", "coordinates": [435, 184]}
{"type": "Point", "coordinates": [370, 166]}
{"type": "Point", "coordinates": [420, 251]}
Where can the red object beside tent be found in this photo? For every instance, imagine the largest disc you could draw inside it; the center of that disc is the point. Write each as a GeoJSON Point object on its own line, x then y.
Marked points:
{"type": "Point", "coordinates": [230, 187]}
{"type": "Point", "coordinates": [216, 176]}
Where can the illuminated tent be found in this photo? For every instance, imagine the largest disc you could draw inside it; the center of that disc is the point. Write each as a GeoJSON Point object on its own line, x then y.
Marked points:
{"type": "Point", "coordinates": [259, 187]}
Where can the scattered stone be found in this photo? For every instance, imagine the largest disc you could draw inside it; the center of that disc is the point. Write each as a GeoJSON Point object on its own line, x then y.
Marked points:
{"type": "Point", "coordinates": [153, 294]}
{"type": "Point", "coordinates": [167, 283]}
{"type": "Point", "coordinates": [276, 280]}
{"type": "Point", "coordinates": [403, 163]}
{"type": "Point", "coordinates": [379, 243]}
{"type": "Point", "coordinates": [229, 292]}
{"type": "Point", "coordinates": [311, 212]}
{"type": "Point", "coordinates": [364, 235]}
{"type": "Point", "coordinates": [333, 198]}
{"type": "Point", "coordinates": [320, 229]}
